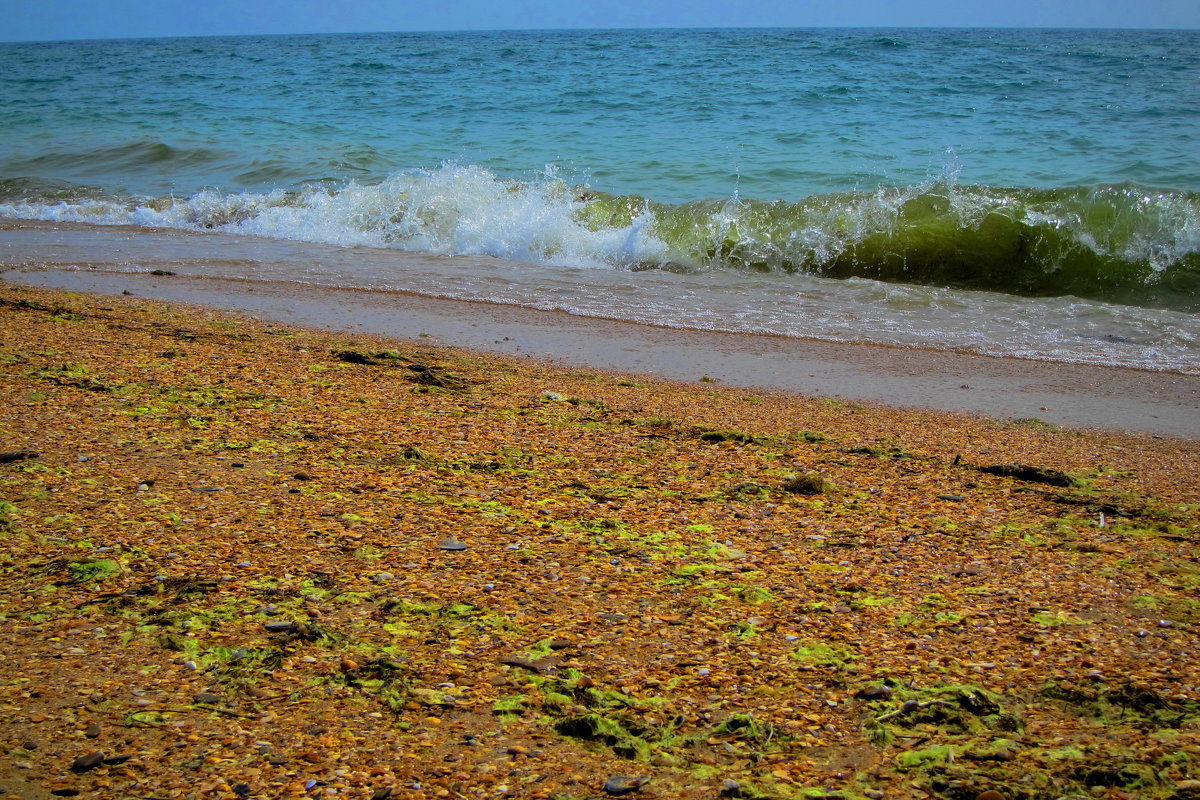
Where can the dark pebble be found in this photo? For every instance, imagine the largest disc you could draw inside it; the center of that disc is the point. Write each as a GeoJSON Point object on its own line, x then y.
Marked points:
{"type": "Point", "coordinates": [382, 793]}
{"type": "Point", "coordinates": [241, 789]}
{"type": "Point", "coordinates": [92, 731]}
{"type": "Point", "coordinates": [523, 663]}
{"type": "Point", "coordinates": [206, 698]}
{"type": "Point", "coordinates": [954, 498]}
{"type": "Point", "coordinates": [112, 761]}
{"type": "Point", "coordinates": [87, 762]}
{"type": "Point", "coordinates": [873, 693]}
{"type": "Point", "coordinates": [65, 792]}
{"type": "Point", "coordinates": [451, 544]}
{"type": "Point", "coordinates": [617, 785]}
{"type": "Point", "coordinates": [279, 627]}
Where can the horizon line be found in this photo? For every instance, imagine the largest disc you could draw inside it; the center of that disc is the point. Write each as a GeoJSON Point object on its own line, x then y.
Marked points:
{"type": "Point", "coordinates": [102, 38]}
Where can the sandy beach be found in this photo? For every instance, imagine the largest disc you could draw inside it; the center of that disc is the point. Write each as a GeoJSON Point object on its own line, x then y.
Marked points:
{"type": "Point", "coordinates": [1073, 395]}
{"type": "Point", "coordinates": [249, 559]}
{"type": "Point", "coordinates": [697, 412]}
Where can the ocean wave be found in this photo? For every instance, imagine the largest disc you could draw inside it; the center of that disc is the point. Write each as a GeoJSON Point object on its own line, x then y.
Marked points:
{"type": "Point", "coordinates": [1118, 243]}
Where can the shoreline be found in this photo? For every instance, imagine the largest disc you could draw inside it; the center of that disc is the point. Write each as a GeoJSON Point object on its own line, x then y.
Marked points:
{"type": "Point", "coordinates": [1072, 395]}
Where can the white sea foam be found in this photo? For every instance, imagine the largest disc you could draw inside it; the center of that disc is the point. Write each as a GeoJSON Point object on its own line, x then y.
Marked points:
{"type": "Point", "coordinates": [453, 210]}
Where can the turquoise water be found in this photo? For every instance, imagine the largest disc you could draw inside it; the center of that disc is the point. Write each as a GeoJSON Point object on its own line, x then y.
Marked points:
{"type": "Point", "coordinates": [1031, 193]}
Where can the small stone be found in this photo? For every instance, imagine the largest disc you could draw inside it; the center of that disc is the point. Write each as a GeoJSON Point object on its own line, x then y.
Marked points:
{"type": "Point", "coordinates": [282, 626]}
{"type": "Point", "coordinates": [382, 793]}
{"type": "Point", "coordinates": [953, 498]}
{"type": "Point", "coordinates": [451, 544]}
{"type": "Point", "coordinates": [241, 789]}
{"type": "Point", "coordinates": [523, 663]}
{"type": "Point", "coordinates": [384, 576]}
{"type": "Point", "coordinates": [873, 794]}
{"type": "Point", "coordinates": [206, 698]}
{"type": "Point", "coordinates": [873, 693]}
{"type": "Point", "coordinates": [112, 761]}
{"type": "Point", "coordinates": [87, 762]}
{"type": "Point", "coordinates": [618, 785]}
{"type": "Point", "coordinates": [92, 731]}
{"type": "Point", "coordinates": [990, 794]}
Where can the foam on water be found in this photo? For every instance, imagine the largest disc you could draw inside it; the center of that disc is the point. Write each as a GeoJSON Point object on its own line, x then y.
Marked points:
{"type": "Point", "coordinates": [1121, 243]}
{"type": "Point", "coordinates": [450, 210]}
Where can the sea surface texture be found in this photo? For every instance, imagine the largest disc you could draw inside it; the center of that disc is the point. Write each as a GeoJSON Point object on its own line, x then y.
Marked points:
{"type": "Point", "coordinates": [1029, 193]}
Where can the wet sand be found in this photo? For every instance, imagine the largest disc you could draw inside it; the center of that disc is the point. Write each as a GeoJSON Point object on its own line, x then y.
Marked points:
{"type": "Point", "coordinates": [1066, 394]}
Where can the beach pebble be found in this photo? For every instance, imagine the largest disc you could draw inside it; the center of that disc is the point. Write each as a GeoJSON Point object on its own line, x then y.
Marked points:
{"type": "Point", "coordinates": [87, 761]}
{"type": "Point", "coordinates": [92, 731]}
{"type": "Point", "coordinates": [617, 785]}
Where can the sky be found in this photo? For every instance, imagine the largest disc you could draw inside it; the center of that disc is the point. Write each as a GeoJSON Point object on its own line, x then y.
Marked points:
{"type": "Point", "coordinates": [49, 20]}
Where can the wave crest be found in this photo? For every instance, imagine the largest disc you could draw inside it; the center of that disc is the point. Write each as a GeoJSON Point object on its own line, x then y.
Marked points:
{"type": "Point", "coordinates": [1118, 243]}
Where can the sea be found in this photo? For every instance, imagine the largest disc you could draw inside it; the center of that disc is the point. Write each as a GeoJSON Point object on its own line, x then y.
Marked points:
{"type": "Point", "coordinates": [1017, 192]}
